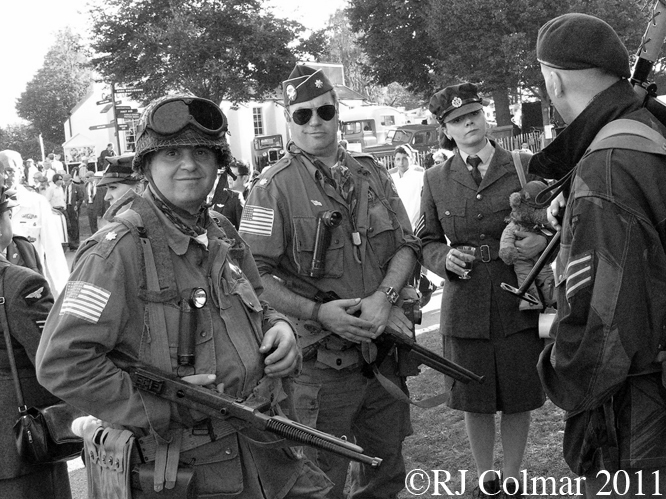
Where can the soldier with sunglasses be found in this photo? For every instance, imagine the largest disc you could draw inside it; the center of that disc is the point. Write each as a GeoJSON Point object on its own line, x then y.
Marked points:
{"type": "Point", "coordinates": [342, 297]}
{"type": "Point", "coordinates": [171, 284]}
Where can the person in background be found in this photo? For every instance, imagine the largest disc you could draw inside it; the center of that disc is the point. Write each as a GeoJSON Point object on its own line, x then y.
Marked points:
{"type": "Point", "coordinates": [239, 180]}
{"type": "Point", "coordinates": [119, 178]}
{"type": "Point", "coordinates": [34, 219]}
{"type": "Point", "coordinates": [606, 365]}
{"type": "Point", "coordinates": [74, 198]}
{"type": "Point", "coordinates": [408, 180]}
{"type": "Point", "coordinates": [525, 148]}
{"type": "Point", "coordinates": [465, 202]}
{"type": "Point", "coordinates": [106, 153]}
{"type": "Point", "coordinates": [339, 309]}
{"type": "Point", "coordinates": [31, 169]}
{"type": "Point", "coordinates": [27, 302]}
{"type": "Point", "coordinates": [225, 200]}
{"type": "Point", "coordinates": [112, 305]}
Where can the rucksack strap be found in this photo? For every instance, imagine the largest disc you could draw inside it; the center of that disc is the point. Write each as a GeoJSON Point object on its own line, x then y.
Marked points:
{"type": "Point", "coordinates": [629, 134]}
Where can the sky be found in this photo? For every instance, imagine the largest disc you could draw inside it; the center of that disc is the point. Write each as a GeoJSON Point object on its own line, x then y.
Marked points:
{"type": "Point", "coordinates": [30, 26]}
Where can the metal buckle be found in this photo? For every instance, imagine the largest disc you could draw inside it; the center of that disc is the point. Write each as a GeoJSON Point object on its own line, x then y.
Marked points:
{"type": "Point", "coordinates": [485, 253]}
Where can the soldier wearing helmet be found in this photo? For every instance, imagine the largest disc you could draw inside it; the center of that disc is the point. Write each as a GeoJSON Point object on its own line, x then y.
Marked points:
{"type": "Point", "coordinates": [129, 293]}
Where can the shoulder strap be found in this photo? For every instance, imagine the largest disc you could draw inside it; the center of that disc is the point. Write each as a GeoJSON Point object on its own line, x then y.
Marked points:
{"type": "Point", "coordinates": [629, 134]}
{"type": "Point", "coordinates": [519, 167]}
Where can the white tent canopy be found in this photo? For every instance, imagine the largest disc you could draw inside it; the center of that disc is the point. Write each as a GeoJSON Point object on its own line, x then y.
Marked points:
{"type": "Point", "coordinates": [78, 148]}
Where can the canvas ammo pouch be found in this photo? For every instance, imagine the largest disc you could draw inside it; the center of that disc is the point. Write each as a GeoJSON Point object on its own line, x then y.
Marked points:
{"type": "Point", "coordinates": [107, 456]}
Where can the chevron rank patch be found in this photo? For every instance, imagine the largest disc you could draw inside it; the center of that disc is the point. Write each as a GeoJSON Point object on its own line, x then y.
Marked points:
{"type": "Point", "coordinates": [420, 225]}
{"type": "Point", "coordinates": [85, 301]}
{"type": "Point", "coordinates": [579, 274]}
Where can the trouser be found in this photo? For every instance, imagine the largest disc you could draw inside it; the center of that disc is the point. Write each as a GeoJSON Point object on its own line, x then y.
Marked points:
{"type": "Point", "coordinates": [92, 217]}
{"type": "Point", "coordinates": [345, 402]}
{"type": "Point", "coordinates": [72, 226]}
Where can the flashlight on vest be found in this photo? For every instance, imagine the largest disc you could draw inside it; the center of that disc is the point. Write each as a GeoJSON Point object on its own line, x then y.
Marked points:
{"type": "Point", "coordinates": [191, 301]}
{"type": "Point", "coordinates": [326, 220]}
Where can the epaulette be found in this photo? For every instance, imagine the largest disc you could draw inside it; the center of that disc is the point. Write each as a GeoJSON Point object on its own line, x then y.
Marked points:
{"type": "Point", "coordinates": [267, 175]}
{"type": "Point", "coordinates": [357, 154]}
{"type": "Point", "coordinates": [105, 239]}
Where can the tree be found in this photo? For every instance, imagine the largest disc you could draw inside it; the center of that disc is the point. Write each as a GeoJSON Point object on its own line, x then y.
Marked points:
{"type": "Point", "coordinates": [56, 88]}
{"type": "Point", "coordinates": [484, 41]}
{"type": "Point", "coordinates": [344, 48]}
{"type": "Point", "coordinates": [25, 140]}
{"type": "Point", "coordinates": [218, 49]}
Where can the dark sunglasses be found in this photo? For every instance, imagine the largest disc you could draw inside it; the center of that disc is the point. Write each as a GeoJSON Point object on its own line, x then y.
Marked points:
{"type": "Point", "coordinates": [303, 116]}
{"type": "Point", "coordinates": [173, 115]}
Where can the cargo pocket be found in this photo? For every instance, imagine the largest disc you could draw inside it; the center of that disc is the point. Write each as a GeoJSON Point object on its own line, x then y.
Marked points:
{"type": "Point", "coordinates": [381, 233]}
{"type": "Point", "coordinates": [217, 466]}
{"type": "Point", "coordinates": [305, 232]}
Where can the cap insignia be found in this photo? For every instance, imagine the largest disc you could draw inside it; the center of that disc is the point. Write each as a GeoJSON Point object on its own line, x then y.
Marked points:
{"type": "Point", "coordinates": [319, 83]}
{"type": "Point", "coordinates": [291, 93]}
{"type": "Point", "coordinates": [456, 102]}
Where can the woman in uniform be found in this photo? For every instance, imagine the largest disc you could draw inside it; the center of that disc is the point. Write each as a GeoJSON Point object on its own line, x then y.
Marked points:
{"type": "Point", "coordinates": [464, 202]}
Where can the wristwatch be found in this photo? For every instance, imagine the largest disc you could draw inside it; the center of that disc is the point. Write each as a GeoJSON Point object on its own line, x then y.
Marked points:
{"type": "Point", "coordinates": [391, 294]}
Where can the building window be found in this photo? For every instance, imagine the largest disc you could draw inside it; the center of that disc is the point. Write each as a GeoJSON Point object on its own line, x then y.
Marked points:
{"type": "Point", "coordinates": [258, 121]}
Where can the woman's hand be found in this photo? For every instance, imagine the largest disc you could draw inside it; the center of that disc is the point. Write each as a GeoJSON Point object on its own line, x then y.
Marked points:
{"type": "Point", "coordinates": [456, 259]}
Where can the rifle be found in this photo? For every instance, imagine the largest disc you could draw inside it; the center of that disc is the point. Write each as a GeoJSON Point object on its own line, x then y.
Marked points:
{"type": "Point", "coordinates": [429, 358]}
{"type": "Point", "coordinates": [646, 56]}
{"type": "Point", "coordinates": [221, 406]}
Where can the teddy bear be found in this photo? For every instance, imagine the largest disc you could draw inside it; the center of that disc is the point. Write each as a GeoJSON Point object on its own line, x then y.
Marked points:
{"type": "Point", "coordinates": [527, 216]}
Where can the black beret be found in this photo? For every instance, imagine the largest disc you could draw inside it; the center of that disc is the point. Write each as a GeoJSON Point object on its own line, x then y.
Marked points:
{"type": "Point", "coordinates": [304, 84]}
{"type": "Point", "coordinates": [455, 101]}
{"type": "Point", "coordinates": [581, 41]}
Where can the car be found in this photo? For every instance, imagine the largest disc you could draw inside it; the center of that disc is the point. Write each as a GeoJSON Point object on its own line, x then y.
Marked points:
{"type": "Point", "coordinates": [422, 138]}
{"type": "Point", "coordinates": [266, 150]}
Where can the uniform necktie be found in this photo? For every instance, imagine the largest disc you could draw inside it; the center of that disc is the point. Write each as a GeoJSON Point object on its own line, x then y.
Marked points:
{"type": "Point", "coordinates": [474, 162]}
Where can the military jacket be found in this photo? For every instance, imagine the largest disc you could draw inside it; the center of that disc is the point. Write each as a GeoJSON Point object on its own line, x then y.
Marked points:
{"type": "Point", "coordinates": [104, 309]}
{"type": "Point", "coordinates": [280, 223]}
{"type": "Point", "coordinates": [456, 212]}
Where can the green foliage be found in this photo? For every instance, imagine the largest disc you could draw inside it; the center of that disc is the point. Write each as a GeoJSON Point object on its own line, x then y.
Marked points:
{"type": "Point", "coordinates": [429, 44]}
{"type": "Point", "coordinates": [25, 140]}
{"type": "Point", "coordinates": [218, 49]}
{"type": "Point", "coordinates": [56, 88]}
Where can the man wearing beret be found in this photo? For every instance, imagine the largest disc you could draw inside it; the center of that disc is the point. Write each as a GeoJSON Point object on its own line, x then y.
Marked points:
{"type": "Point", "coordinates": [604, 367]}
{"type": "Point", "coordinates": [341, 298]}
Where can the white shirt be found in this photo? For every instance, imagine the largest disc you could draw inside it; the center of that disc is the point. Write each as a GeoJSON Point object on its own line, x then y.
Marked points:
{"type": "Point", "coordinates": [486, 155]}
{"type": "Point", "coordinates": [409, 187]}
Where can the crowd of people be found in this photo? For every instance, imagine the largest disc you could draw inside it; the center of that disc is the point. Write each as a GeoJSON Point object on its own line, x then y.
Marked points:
{"type": "Point", "coordinates": [282, 290]}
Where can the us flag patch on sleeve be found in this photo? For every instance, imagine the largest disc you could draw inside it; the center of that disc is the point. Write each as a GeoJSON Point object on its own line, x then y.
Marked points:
{"type": "Point", "coordinates": [85, 301]}
{"type": "Point", "coordinates": [257, 220]}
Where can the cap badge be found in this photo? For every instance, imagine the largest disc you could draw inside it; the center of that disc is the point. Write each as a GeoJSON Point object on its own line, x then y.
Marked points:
{"type": "Point", "coordinates": [319, 83]}
{"type": "Point", "coordinates": [291, 93]}
{"type": "Point", "coordinates": [456, 102]}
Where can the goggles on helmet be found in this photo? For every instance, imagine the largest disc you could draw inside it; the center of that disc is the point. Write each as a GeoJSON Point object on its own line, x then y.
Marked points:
{"type": "Point", "coordinates": [174, 114]}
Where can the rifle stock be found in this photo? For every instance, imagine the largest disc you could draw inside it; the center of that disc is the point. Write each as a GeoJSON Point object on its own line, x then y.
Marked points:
{"type": "Point", "coordinates": [221, 406]}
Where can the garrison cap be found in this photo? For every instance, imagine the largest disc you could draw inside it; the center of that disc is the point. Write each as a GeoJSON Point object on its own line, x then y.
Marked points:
{"type": "Point", "coordinates": [455, 101]}
{"type": "Point", "coordinates": [304, 84]}
{"type": "Point", "coordinates": [119, 170]}
{"type": "Point", "coordinates": [579, 41]}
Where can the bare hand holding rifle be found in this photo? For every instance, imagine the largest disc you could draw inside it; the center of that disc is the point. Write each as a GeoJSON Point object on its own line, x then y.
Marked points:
{"type": "Point", "coordinates": [221, 406]}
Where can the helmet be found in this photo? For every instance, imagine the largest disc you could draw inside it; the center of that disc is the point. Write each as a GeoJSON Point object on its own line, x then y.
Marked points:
{"type": "Point", "coordinates": [181, 120]}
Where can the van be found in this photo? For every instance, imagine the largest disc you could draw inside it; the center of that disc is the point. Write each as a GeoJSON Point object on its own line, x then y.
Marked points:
{"type": "Point", "coordinates": [421, 138]}
{"type": "Point", "coordinates": [368, 125]}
